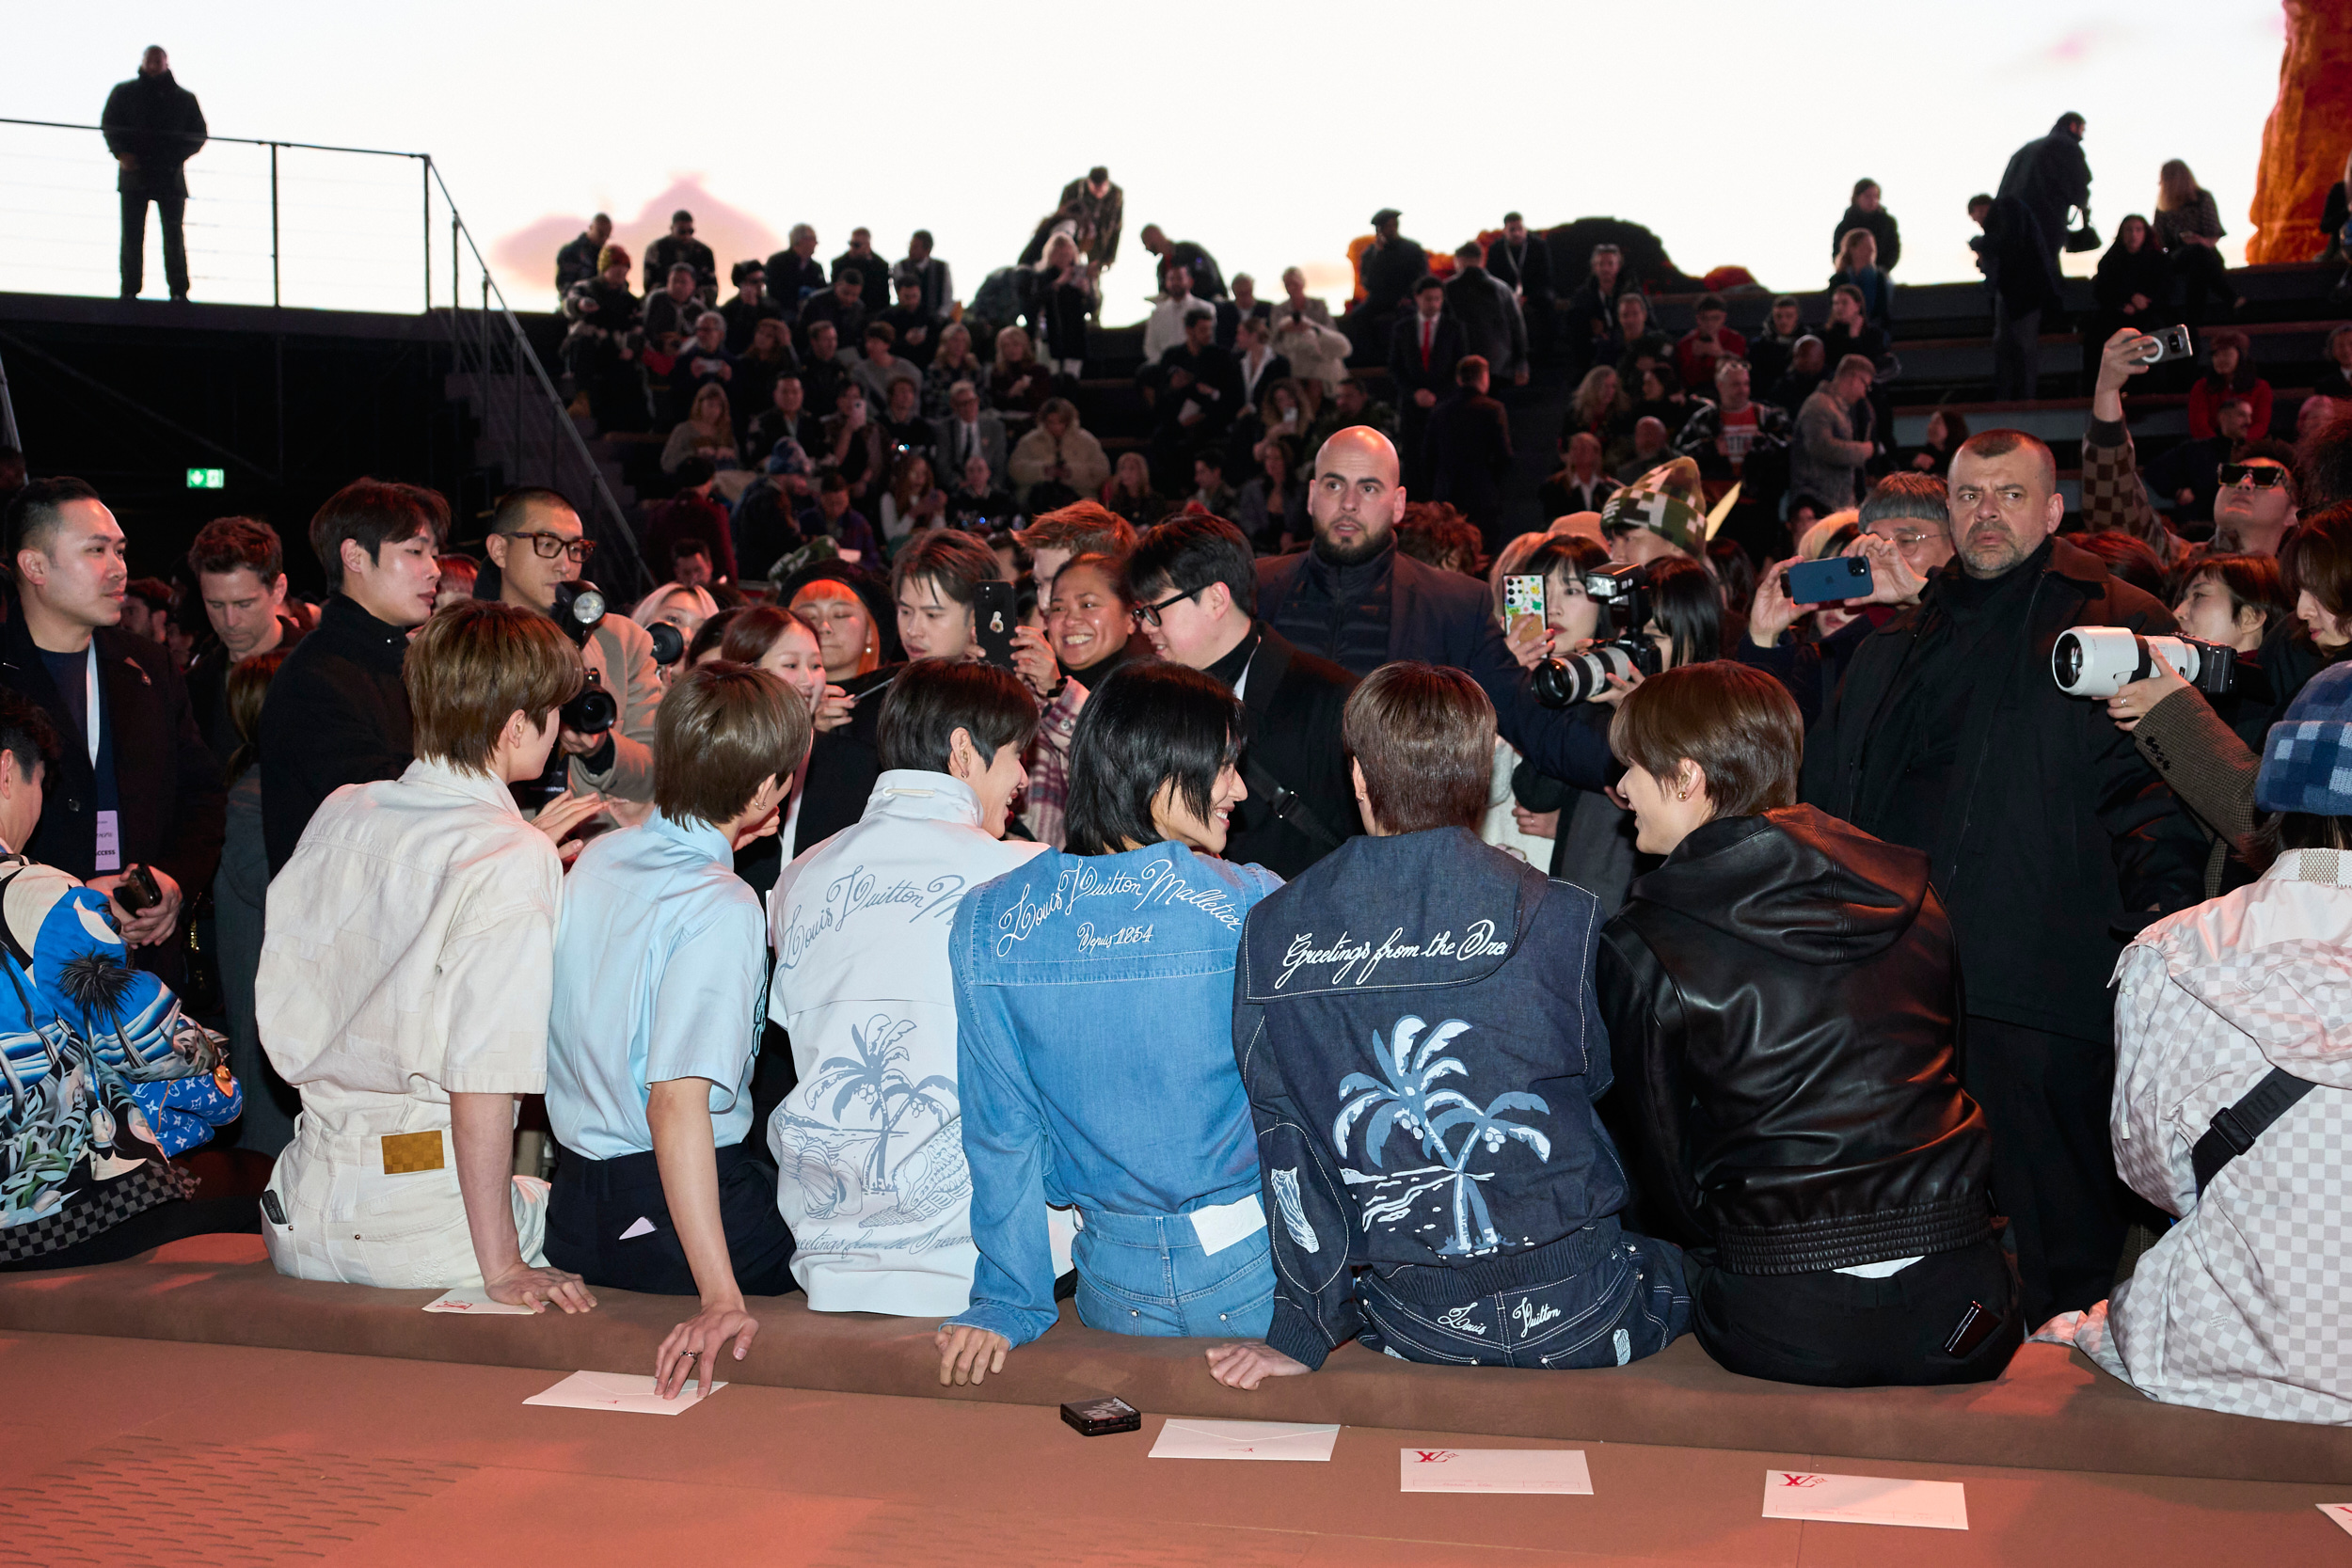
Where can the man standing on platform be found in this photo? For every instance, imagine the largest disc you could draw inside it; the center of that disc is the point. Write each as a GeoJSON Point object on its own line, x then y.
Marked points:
{"type": "Point", "coordinates": [153, 126]}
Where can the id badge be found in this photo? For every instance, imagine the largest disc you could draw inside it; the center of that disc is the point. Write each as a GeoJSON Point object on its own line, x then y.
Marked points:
{"type": "Point", "coordinates": [109, 855]}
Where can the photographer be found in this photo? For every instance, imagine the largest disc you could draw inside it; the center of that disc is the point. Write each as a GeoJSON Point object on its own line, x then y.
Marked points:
{"type": "Point", "coordinates": [1948, 736]}
{"type": "Point", "coordinates": [659, 962]}
{"type": "Point", "coordinates": [1679, 618]}
{"type": "Point", "coordinates": [2209, 758]}
{"type": "Point", "coordinates": [535, 543]}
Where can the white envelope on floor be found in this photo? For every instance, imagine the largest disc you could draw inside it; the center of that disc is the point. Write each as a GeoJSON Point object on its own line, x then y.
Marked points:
{"type": "Point", "coordinates": [1191, 1439]}
{"type": "Point", "coordinates": [1865, 1499]}
{"type": "Point", "coordinates": [2341, 1514]}
{"type": "Point", "coordinates": [1557, 1471]}
{"type": "Point", "coordinates": [630, 1391]}
{"type": "Point", "coordinates": [474, 1299]}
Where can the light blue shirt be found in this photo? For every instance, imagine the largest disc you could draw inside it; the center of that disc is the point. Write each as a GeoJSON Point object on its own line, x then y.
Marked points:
{"type": "Point", "coordinates": [660, 972]}
{"type": "Point", "coordinates": [1094, 1007]}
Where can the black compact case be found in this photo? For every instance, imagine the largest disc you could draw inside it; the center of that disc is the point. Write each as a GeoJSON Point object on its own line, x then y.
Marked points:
{"type": "Point", "coordinates": [1094, 1417]}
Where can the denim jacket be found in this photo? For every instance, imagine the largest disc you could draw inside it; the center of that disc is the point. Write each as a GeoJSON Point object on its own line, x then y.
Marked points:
{"type": "Point", "coordinates": [1092, 999]}
{"type": "Point", "coordinates": [1416, 1030]}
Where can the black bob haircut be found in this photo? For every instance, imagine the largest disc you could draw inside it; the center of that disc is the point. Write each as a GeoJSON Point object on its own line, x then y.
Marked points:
{"type": "Point", "coordinates": [25, 734]}
{"type": "Point", "coordinates": [1146, 725]}
{"type": "Point", "coordinates": [933, 698]}
{"type": "Point", "coordinates": [1188, 552]}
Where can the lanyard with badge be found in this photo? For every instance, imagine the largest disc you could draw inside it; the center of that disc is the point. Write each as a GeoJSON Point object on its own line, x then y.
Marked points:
{"type": "Point", "coordinates": [108, 855]}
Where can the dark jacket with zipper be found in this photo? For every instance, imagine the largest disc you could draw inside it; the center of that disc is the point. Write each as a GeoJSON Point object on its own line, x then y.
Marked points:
{"type": "Point", "coordinates": [2049, 837]}
{"type": "Point", "coordinates": [166, 783]}
{"type": "Point", "coordinates": [335, 714]}
{"type": "Point", "coordinates": [1415, 1027]}
{"type": "Point", "coordinates": [1292, 702]}
{"type": "Point", "coordinates": [1782, 998]}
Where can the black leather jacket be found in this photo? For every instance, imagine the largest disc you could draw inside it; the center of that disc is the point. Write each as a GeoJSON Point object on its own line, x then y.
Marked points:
{"type": "Point", "coordinates": [1783, 1005]}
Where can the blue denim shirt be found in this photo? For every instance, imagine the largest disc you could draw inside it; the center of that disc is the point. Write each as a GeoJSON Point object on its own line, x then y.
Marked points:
{"type": "Point", "coordinates": [1094, 1046]}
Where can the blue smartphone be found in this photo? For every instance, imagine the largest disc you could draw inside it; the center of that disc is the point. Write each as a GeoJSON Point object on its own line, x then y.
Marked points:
{"type": "Point", "coordinates": [1841, 576]}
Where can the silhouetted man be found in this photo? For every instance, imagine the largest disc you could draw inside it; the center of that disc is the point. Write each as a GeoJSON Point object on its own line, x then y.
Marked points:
{"type": "Point", "coordinates": [153, 127]}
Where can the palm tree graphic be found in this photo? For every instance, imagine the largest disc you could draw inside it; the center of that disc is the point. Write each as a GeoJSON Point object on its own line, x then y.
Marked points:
{"type": "Point", "coordinates": [876, 1076]}
{"type": "Point", "coordinates": [1402, 1097]}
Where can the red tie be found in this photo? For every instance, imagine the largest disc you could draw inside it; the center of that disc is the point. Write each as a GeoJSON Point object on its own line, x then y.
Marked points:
{"type": "Point", "coordinates": [1425, 325]}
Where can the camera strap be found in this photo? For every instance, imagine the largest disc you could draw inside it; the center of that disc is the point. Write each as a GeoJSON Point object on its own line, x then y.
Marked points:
{"type": "Point", "coordinates": [1286, 805]}
{"type": "Point", "coordinates": [2235, 1127]}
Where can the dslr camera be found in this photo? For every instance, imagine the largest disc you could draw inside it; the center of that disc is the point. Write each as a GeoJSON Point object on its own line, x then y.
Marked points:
{"type": "Point", "coordinates": [579, 609]}
{"type": "Point", "coordinates": [1623, 595]}
{"type": "Point", "coordinates": [2099, 662]}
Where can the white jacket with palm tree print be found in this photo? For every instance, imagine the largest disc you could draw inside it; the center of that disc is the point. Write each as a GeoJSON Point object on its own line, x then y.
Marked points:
{"type": "Point", "coordinates": [1416, 1030]}
{"type": "Point", "coordinates": [869, 1144]}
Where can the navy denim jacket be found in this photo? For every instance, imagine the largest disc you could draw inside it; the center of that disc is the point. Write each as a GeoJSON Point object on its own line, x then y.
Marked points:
{"type": "Point", "coordinates": [1416, 1030]}
{"type": "Point", "coordinates": [1091, 1003]}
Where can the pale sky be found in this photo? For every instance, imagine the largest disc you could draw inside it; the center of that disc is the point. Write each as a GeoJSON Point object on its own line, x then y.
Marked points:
{"type": "Point", "coordinates": [1268, 133]}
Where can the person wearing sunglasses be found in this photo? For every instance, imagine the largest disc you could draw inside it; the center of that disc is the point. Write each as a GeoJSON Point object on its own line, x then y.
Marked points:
{"type": "Point", "coordinates": [536, 542]}
{"type": "Point", "coordinates": [2255, 505]}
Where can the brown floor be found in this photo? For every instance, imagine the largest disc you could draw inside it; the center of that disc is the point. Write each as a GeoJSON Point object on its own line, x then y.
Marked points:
{"type": "Point", "coordinates": [264, 1456]}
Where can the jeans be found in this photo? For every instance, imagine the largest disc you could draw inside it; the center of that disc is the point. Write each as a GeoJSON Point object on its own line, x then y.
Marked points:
{"type": "Point", "coordinates": [1841, 1331]}
{"type": "Point", "coordinates": [170, 208]}
{"type": "Point", "coordinates": [1630, 1302]}
{"type": "Point", "coordinates": [1147, 1275]}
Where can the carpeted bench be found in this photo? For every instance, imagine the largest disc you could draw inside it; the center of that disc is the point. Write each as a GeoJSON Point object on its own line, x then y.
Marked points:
{"type": "Point", "coordinates": [2053, 1410]}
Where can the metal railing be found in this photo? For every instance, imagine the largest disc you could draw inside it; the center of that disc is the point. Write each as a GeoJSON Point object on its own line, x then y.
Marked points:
{"type": "Point", "coordinates": [306, 225]}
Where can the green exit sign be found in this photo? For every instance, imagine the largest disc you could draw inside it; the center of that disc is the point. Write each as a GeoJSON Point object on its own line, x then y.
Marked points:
{"type": "Point", "coordinates": [207, 479]}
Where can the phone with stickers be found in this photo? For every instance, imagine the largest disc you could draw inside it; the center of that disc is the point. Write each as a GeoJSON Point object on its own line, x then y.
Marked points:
{"type": "Point", "coordinates": [1523, 604]}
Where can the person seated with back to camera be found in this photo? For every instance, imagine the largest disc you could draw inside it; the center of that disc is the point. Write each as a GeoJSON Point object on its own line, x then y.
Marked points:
{"type": "Point", "coordinates": [1783, 1000]}
{"type": "Point", "coordinates": [659, 963]}
{"type": "Point", "coordinates": [1093, 989]}
{"type": "Point", "coordinates": [869, 1144]}
{"type": "Point", "coordinates": [108, 1079]}
{"type": "Point", "coordinates": [2239, 1005]}
{"type": "Point", "coordinates": [1415, 1025]}
{"type": "Point", "coordinates": [407, 974]}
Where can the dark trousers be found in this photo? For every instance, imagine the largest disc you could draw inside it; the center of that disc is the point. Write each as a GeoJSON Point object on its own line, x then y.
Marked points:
{"type": "Point", "coordinates": [2207, 277]}
{"type": "Point", "coordinates": [595, 1201]}
{"type": "Point", "coordinates": [170, 207]}
{"type": "Point", "coordinates": [1841, 1331]}
{"type": "Point", "coordinates": [2016, 354]}
{"type": "Point", "coordinates": [2045, 1099]}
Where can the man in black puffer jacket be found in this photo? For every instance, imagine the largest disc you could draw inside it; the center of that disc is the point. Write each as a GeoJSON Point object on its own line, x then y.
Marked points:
{"type": "Point", "coordinates": [1781, 996]}
{"type": "Point", "coordinates": [153, 126]}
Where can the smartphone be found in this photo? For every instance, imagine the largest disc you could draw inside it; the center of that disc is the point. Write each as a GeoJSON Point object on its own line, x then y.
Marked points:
{"type": "Point", "coordinates": [1841, 576]}
{"type": "Point", "coordinates": [1522, 595]}
{"type": "Point", "coordinates": [1096, 1418]}
{"type": "Point", "coordinates": [138, 889]}
{"type": "Point", "coordinates": [993, 620]}
{"type": "Point", "coordinates": [2172, 342]}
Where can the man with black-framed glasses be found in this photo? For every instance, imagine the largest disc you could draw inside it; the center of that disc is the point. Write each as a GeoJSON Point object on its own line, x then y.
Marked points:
{"type": "Point", "coordinates": [1196, 599]}
{"type": "Point", "coordinates": [536, 542]}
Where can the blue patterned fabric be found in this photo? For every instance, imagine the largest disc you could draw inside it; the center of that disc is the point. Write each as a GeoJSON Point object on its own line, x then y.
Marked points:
{"type": "Point", "coordinates": [2306, 758]}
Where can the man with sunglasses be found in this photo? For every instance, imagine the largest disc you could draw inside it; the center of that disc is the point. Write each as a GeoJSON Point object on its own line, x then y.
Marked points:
{"type": "Point", "coordinates": [2247, 487]}
{"type": "Point", "coordinates": [536, 542]}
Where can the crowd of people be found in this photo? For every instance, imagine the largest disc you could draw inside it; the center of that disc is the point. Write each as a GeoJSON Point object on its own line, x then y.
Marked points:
{"type": "Point", "coordinates": [1497, 952]}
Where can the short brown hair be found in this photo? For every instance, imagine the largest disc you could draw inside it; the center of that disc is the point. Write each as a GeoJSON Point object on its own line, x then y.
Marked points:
{"type": "Point", "coordinates": [1081, 528]}
{"type": "Point", "coordinates": [722, 731]}
{"type": "Point", "coordinates": [2316, 559]}
{"type": "Point", "coordinates": [1424, 736]}
{"type": "Point", "coordinates": [951, 560]}
{"type": "Point", "coordinates": [473, 665]}
{"type": "Point", "coordinates": [751, 630]}
{"type": "Point", "coordinates": [2000, 443]}
{"type": "Point", "coordinates": [238, 543]}
{"type": "Point", "coordinates": [1738, 725]}
{"type": "Point", "coordinates": [375, 513]}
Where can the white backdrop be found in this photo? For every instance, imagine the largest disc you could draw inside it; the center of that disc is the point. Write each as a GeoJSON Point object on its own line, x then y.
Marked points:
{"type": "Point", "coordinates": [1267, 133]}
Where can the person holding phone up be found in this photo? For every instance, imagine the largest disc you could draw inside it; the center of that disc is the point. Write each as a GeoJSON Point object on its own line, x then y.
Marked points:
{"type": "Point", "coordinates": [954, 603]}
